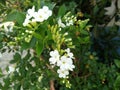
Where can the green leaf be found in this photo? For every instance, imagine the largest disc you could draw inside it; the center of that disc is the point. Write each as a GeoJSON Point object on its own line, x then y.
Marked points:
{"type": "Point", "coordinates": [17, 57]}
{"type": "Point", "coordinates": [38, 36]}
{"type": "Point", "coordinates": [83, 23]}
{"type": "Point", "coordinates": [62, 10]}
{"type": "Point", "coordinates": [17, 86]}
{"type": "Point", "coordinates": [117, 82]}
{"type": "Point", "coordinates": [1, 86]}
{"type": "Point", "coordinates": [39, 47]}
{"type": "Point", "coordinates": [3, 1]}
{"type": "Point", "coordinates": [95, 10]}
{"type": "Point", "coordinates": [6, 83]}
{"type": "Point", "coordinates": [117, 62]}
{"type": "Point", "coordinates": [25, 46]}
{"type": "Point", "coordinates": [16, 17]}
{"type": "Point", "coordinates": [32, 42]}
{"type": "Point", "coordinates": [85, 32]}
{"type": "Point", "coordinates": [1, 74]}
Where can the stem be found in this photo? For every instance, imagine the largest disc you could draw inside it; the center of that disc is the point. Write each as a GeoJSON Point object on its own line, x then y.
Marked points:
{"type": "Point", "coordinates": [52, 85]}
{"type": "Point", "coordinates": [49, 67]}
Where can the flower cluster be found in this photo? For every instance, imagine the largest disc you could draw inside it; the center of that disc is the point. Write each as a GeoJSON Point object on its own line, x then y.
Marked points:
{"type": "Point", "coordinates": [64, 62]}
{"type": "Point", "coordinates": [68, 20]}
{"type": "Point", "coordinates": [33, 16]}
{"type": "Point", "coordinates": [8, 26]}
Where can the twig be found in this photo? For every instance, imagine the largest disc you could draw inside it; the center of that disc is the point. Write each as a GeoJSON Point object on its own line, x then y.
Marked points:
{"type": "Point", "coordinates": [49, 67]}
{"type": "Point", "coordinates": [52, 85]}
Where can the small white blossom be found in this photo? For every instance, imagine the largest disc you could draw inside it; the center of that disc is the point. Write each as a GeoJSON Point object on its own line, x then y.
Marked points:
{"type": "Point", "coordinates": [62, 73]}
{"type": "Point", "coordinates": [69, 53]}
{"type": "Point", "coordinates": [8, 26]}
{"type": "Point", "coordinates": [26, 22]}
{"type": "Point", "coordinates": [39, 16]}
{"type": "Point", "coordinates": [29, 15]}
{"type": "Point", "coordinates": [65, 63]}
{"type": "Point", "coordinates": [46, 12]}
{"type": "Point", "coordinates": [11, 69]}
{"type": "Point", "coordinates": [70, 22]}
{"type": "Point", "coordinates": [54, 57]}
{"type": "Point", "coordinates": [30, 12]}
{"type": "Point", "coordinates": [60, 23]}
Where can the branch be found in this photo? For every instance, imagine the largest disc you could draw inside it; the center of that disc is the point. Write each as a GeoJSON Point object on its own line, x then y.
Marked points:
{"type": "Point", "coordinates": [52, 85]}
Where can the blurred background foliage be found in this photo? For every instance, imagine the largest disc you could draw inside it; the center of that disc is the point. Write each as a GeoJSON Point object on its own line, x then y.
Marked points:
{"type": "Point", "coordinates": [98, 49]}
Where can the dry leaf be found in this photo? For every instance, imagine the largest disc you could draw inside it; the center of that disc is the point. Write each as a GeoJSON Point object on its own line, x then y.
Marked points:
{"type": "Point", "coordinates": [118, 4]}
{"type": "Point", "coordinates": [110, 11]}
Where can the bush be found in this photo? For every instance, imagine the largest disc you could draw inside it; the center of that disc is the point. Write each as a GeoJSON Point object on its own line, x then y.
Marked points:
{"type": "Point", "coordinates": [60, 45]}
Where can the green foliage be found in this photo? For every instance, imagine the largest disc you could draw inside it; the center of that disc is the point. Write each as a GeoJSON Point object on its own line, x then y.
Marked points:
{"type": "Point", "coordinates": [39, 47]}
{"type": "Point", "coordinates": [15, 16]}
{"type": "Point", "coordinates": [62, 10]}
{"type": "Point", "coordinates": [85, 31]}
{"type": "Point", "coordinates": [117, 81]}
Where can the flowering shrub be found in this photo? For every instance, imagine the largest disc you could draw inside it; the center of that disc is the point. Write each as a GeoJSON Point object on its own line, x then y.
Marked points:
{"type": "Point", "coordinates": [64, 62]}
{"type": "Point", "coordinates": [39, 16]}
{"type": "Point", "coordinates": [54, 45]}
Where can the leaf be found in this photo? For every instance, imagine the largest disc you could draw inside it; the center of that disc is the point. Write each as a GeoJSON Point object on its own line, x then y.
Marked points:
{"type": "Point", "coordinates": [95, 10]}
{"type": "Point", "coordinates": [62, 10]}
{"type": "Point", "coordinates": [17, 86]}
{"type": "Point", "coordinates": [83, 23]}
{"type": "Point", "coordinates": [117, 82]}
{"type": "Point", "coordinates": [110, 11]}
{"type": "Point", "coordinates": [84, 32]}
{"type": "Point", "coordinates": [16, 16]}
{"type": "Point", "coordinates": [39, 47]}
{"type": "Point", "coordinates": [32, 42]}
{"type": "Point", "coordinates": [1, 86]}
{"type": "Point", "coordinates": [6, 83]}
{"type": "Point", "coordinates": [25, 46]}
{"type": "Point", "coordinates": [38, 36]}
{"type": "Point", "coordinates": [3, 1]}
{"type": "Point", "coordinates": [17, 57]}
{"type": "Point", "coordinates": [117, 62]}
{"type": "Point", "coordinates": [1, 74]}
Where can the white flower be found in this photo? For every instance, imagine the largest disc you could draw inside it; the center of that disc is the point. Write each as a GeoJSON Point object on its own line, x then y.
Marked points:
{"type": "Point", "coordinates": [60, 23]}
{"type": "Point", "coordinates": [26, 22]}
{"type": "Point", "coordinates": [62, 73]}
{"type": "Point", "coordinates": [29, 15]}
{"type": "Point", "coordinates": [42, 14]}
{"type": "Point", "coordinates": [65, 63]}
{"type": "Point", "coordinates": [69, 53]}
{"type": "Point", "coordinates": [8, 26]}
{"type": "Point", "coordinates": [11, 69]}
{"type": "Point", "coordinates": [30, 12]}
{"type": "Point", "coordinates": [39, 16]}
{"type": "Point", "coordinates": [70, 22]}
{"type": "Point", "coordinates": [47, 12]}
{"type": "Point", "coordinates": [54, 57]}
